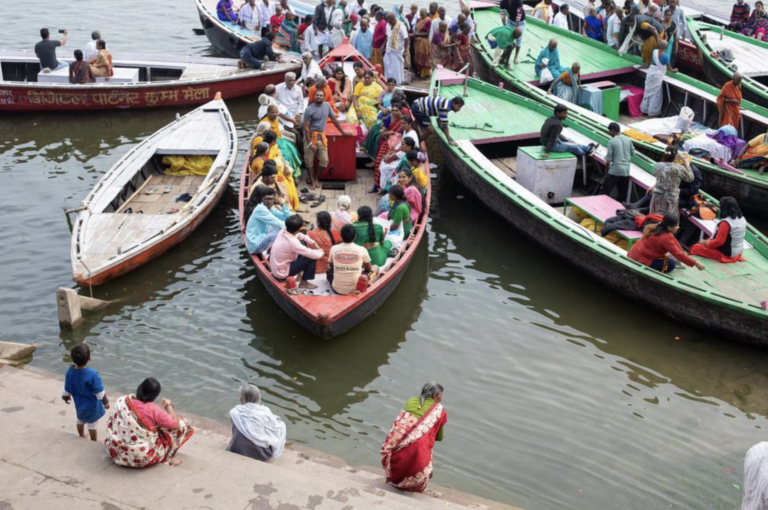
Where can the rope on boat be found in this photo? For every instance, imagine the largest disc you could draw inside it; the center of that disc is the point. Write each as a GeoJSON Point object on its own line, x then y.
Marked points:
{"type": "Point", "coordinates": [484, 127]}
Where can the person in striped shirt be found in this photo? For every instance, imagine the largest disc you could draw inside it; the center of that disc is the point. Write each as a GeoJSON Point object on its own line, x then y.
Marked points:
{"type": "Point", "coordinates": [426, 107]}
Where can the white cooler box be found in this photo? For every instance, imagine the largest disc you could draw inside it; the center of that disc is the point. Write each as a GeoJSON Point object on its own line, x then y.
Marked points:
{"type": "Point", "coordinates": [550, 179]}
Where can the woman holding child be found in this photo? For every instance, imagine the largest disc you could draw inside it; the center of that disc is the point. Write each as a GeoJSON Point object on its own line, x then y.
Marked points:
{"type": "Point", "coordinates": [141, 434]}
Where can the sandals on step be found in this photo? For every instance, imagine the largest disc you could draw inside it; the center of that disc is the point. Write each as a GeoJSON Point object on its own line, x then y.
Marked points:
{"type": "Point", "coordinates": [151, 190]}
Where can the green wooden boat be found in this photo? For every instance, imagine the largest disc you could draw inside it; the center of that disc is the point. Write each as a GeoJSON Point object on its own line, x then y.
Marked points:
{"type": "Point", "coordinates": [600, 63]}
{"type": "Point", "coordinates": [726, 298]}
{"type": "Point", "coordinates": [750, 58]}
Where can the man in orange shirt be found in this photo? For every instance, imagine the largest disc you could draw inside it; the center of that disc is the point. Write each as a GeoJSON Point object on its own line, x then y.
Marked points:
{"type": "Point", "coordinates": [322, 84]}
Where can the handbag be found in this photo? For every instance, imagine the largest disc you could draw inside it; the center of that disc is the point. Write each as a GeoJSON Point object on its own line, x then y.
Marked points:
{"type": "Point", "coordinates": [546, 76]}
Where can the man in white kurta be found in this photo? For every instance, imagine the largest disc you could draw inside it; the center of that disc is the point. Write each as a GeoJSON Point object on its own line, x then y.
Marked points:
{"type": "Point", "coordinates": [394, 63]}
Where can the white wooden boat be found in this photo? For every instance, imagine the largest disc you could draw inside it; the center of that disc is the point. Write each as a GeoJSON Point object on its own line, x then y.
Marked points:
{"type": "Point", "coordinates": [132, 215]}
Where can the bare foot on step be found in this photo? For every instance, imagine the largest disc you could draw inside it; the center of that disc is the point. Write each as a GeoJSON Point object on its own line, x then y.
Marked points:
{"type": "Point", "coordinates": [174, 462]}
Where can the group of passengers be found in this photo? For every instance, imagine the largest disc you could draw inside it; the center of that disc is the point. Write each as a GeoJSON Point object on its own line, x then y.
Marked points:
{"type": "Point", "coordinates": [91, 63]}
{"type": "Point", "coordinates": [402, 44]}
{"type": "Point", "coordinates": [657, 213]}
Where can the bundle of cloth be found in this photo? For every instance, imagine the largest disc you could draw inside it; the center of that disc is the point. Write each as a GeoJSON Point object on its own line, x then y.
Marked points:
{"type": "Point", "coordinates": [722, 144]}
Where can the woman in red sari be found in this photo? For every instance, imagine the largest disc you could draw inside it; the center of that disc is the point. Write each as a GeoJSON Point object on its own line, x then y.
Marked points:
{"type": "Point", "coordinates": [422, 46]}
{"type": "Point", "coordinates": [406, 454]}
{"type": "Point", "coordinates": [391, 134]}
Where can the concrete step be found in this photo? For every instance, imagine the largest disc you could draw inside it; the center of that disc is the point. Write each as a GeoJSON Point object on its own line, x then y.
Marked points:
{"type": "Point", "coordinates": [48, 466]}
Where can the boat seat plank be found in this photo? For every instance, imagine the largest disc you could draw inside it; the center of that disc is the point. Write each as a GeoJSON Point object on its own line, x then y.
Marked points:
{"type": "Point", "coordinates": [751, 59]}
{"type": "Point", "coordinates": [602, 207]}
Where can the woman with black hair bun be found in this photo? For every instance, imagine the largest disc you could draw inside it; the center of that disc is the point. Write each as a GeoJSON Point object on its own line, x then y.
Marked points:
{"type": "Point", "coordinates": [728, 243]}
{"type": "Point", "coordinates": [141, 434]}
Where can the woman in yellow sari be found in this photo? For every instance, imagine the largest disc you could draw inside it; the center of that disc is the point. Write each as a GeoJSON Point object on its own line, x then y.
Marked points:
{"type": "Point", "coordinates": [285, 178]}
{"type": "Point", "coordinates": [365, 98]}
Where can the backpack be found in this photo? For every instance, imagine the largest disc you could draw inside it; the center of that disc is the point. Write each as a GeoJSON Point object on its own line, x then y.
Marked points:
{"type": "Point", "coordinates": [703, 209]}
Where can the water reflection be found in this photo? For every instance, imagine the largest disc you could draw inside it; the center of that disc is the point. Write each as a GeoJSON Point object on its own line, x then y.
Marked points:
{"type": "Point", "coordinates": [334, 374]}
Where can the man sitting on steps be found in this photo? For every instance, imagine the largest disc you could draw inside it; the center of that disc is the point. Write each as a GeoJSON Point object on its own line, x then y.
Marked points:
{"type": "Point", "coordinates": [553, 141]}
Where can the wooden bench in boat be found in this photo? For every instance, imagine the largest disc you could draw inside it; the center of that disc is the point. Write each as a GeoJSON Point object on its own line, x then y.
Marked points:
{"type": "Point", "coordinates": [121, 75]}
{"type": "Point", "coordinates": [600, 208]}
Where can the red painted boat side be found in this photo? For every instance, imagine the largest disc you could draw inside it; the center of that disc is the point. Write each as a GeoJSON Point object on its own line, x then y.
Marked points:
{"type": "Point", "coordinates": [29, 97]}
{"type": "Point", "coordinates": [325, 312]}
{"type": "Point", "coordinates": [152, 252]}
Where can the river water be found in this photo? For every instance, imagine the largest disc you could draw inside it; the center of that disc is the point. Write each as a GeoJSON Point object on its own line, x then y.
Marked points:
{"type": "Point", "coordinates": [560, 393]}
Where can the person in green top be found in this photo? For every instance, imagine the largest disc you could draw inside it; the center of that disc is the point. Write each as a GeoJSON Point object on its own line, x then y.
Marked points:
{"type": "Point", "coordinates": [431, 394]}
{"type": "Point", "coordinates": [503, 40]}
{"type": "Point", "coordinates": [371, 236]}
{"type": "Point", "coordinates": [400, 213]}
{"type": "Point", "coordinates": [617, 162]}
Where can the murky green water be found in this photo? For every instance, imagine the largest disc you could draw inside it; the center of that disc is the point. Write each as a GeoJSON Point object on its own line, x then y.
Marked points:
{"type": "Point", "coordinates": [560, 393]}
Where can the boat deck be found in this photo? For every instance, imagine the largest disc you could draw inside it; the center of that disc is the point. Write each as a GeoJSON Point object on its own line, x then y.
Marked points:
{"type": "Point", "coordinates": [332, 190]}
{"type": "Point", "coordinates": [159, 194]}
{"type": "Point", "coordinates": [750, 59]}
{"type": "Point", "coordinates": [595, 61]}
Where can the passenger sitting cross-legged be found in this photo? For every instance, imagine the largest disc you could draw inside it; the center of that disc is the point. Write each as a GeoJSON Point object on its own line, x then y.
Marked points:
{"type": "Point", "coordinates": [348, 261]}
{"type": "Point", "coordinates": [728, 243]}
{"type": "Point", "coordinates": [265, 219]}
{"type": "Point", "coordinates": [656, 245]}
{"type": "Point", "coordinates": [370, 236]}
{"type": "Point", "coordinates": [256, 431]}
{"type": "Point", "coordinates": [553, 140]}
{"type": "Point", "coordinates": [325, 238]}
{"type": "Point", "coordinates": [294, 253]}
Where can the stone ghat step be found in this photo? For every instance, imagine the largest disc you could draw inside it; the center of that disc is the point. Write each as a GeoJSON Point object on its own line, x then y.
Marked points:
{"type": "Point", "coordinates": [48, 466]}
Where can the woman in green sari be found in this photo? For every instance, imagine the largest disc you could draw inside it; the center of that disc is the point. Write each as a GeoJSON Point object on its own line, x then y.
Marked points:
{"type": "Point", "coordinates": [288, 33]}
{"type": "Point", "coordinates": [371, 236]}
{"type": "Point", "coordinates": [400, 213]}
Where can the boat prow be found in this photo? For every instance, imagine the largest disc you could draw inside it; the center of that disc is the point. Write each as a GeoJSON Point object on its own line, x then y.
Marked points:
{"type": "Point", "coordinates": [137, 211]}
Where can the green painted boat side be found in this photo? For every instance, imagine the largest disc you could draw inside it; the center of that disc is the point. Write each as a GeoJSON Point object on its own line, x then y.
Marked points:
{"type": "Point", "coordinates": [718, 71]}
{"type": "Point", "coordinates": [723, 181]}
{"type": "Point", "coordinates": [724, 298]}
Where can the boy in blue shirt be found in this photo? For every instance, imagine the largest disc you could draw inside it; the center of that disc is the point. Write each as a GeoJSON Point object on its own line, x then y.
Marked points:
{"type": "Point", "coordinates": [84, 385]}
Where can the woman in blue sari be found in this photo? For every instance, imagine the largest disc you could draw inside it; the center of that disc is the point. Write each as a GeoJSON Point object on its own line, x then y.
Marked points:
{"type": "Point", "coordinates": [593, 26]}
{"type": "Point", "coordinates": [549, 58]}
{"type": "Point", "coordinates": [566, 86]}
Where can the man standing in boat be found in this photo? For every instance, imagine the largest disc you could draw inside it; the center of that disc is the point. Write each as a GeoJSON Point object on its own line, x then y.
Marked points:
{"type": "Point", "coordinates": [316, 144]}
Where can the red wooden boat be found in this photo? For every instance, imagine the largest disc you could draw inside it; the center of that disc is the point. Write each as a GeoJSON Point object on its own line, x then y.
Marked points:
{"type": "Point", "coordinates": [140, 81]}
{"type": "Point", "coordinates": [330, 315]}
{"type": "Point", "coordinates": [133, 214]}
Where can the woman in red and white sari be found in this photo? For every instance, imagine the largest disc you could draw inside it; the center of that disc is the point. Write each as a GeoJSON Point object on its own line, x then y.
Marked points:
{"type": "Point", "coordinates": [406, 455]}
{"type": "Point", "coordinates": [141, 434]}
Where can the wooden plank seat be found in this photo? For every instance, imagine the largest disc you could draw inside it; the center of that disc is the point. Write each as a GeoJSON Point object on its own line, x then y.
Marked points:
{"type": "Point", "coordinates": [600, 208]}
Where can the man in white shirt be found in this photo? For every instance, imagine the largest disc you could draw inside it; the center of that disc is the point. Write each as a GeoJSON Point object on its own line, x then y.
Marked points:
{"type": "Point", "coordinates": [356, 6]}
{"type": "Point", "coordinates": [309, 68]}
{"type": "Point", "coordinates": [394, 62]}
{"type": "Point", "coordinates": [290, 95]}
{"type": "Point", "coordinates": [90, 52]}
{"type": "Point", "coordinates": [348, 261]}
{"type": "Point", "coordinates": [561, 18]}
{"type": "Point", "coordinates": [248, 17]}
{"type": "Point", "coordinates": [266, 11]}
{"type": "Point", "coordinates": [614, 28]}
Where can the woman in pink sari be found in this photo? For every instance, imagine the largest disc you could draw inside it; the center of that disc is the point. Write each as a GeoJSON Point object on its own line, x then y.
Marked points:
{"type": "Point", "coordinates": [141, 434]}
{"type": "Point", "coordinates": [406, 455]}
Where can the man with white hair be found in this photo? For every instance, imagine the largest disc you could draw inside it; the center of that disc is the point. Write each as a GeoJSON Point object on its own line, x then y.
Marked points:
{"type": "Point", "coordinates": [256, 431]}
{"type": "Point", "coordinates": [309, 69]}
{"type": "Point", "coordinates": [269, 97]}
{"type": "Point", "coordinates": [394, 62]}
{"type": "Point", "coordinates": [290, 95]}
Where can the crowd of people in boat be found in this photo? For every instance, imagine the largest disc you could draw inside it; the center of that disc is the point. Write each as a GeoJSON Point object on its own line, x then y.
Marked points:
{"type": "Point", "coordinates": [93, 61]}
{"type": "Point", "coordinates": [141, 434]}
{"type": "Point", "coordinates": [405, 44]}
{"type": "Point", "coordinates": [351, 247]}
{"type": "Point", "coordinates": [674, 198]}
{"type": "Point", "coordinates": [752, 23]}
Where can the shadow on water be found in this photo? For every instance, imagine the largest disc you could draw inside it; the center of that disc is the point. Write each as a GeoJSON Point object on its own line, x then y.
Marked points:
{"type": "Point", "coordinates": [654, 349]}
{"type": "Point", "coordinates": [335, 372]}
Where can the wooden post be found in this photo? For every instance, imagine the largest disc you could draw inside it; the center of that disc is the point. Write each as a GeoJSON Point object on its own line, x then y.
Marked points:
{"type": "Point", "coordinates": [68, 304]}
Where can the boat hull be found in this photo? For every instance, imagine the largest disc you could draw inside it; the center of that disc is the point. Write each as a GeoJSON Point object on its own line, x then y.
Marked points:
{"type": "Point", "coordinates": [151, 252]}
{"type": "Point", "coordinates": [223, 40]}
{"type": "Point", "coordinates": [30, 97]}
{"type": "Point", "coordinates": [677, 305]}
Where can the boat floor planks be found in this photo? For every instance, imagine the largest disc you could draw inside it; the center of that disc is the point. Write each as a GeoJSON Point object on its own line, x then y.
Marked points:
{"type": "Point", "coordinates": [750, 59]}
{"type": "Point", "coordinates": [572, 49]}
